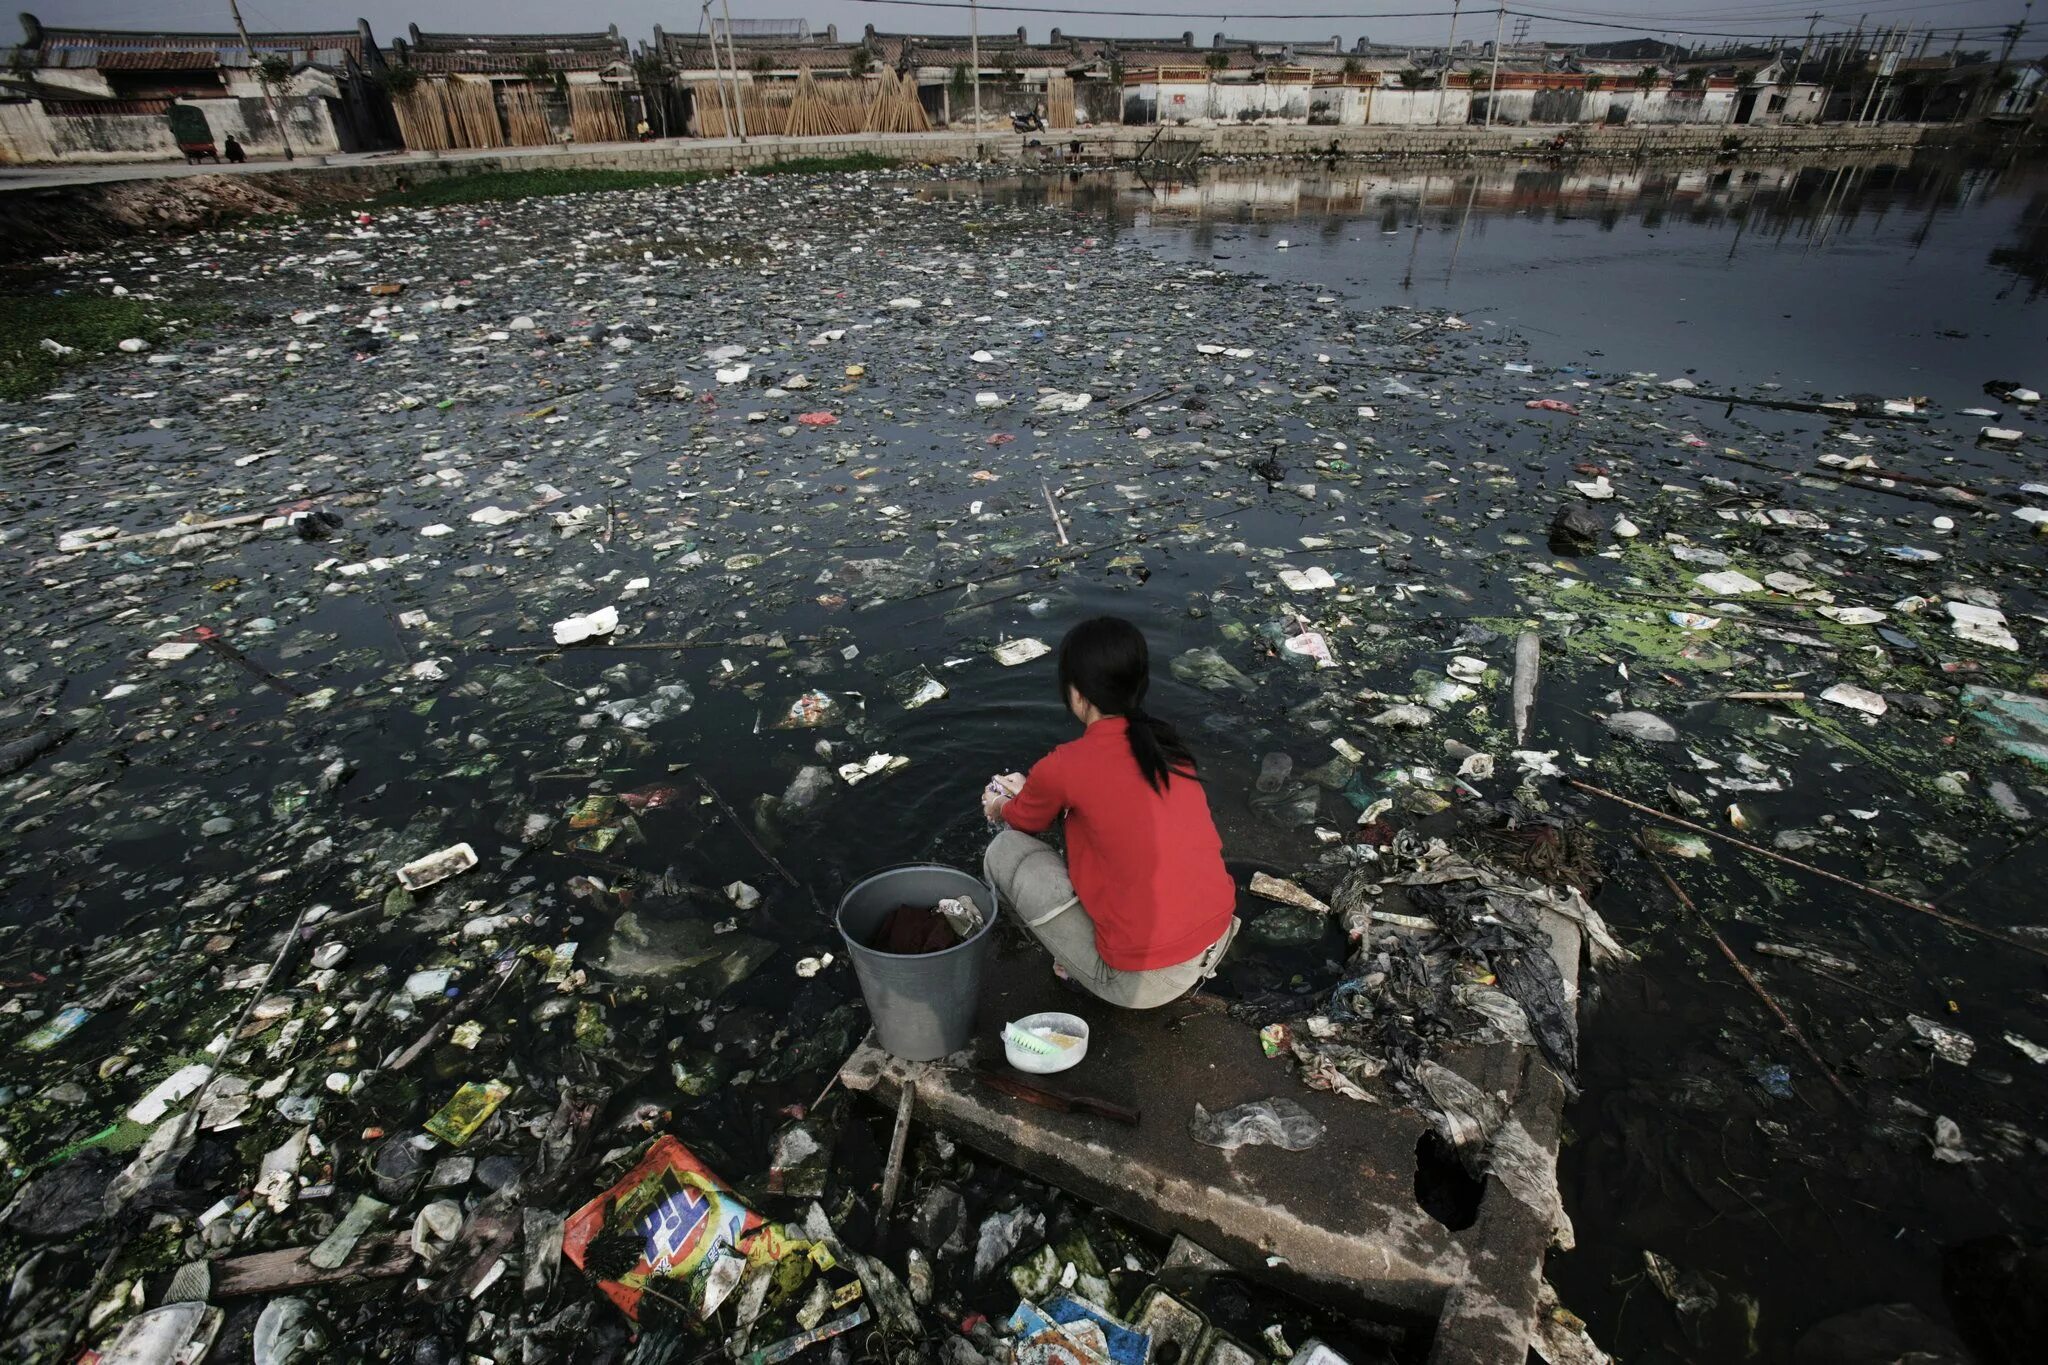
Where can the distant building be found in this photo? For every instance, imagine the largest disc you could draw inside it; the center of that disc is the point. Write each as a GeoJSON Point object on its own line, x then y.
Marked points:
{"type": "Point", "coordinates": [1774, 96]}
{"type": "Point", "coordinates": [87, 94]}
{"type": "Point", "coordinates": [513, 89]}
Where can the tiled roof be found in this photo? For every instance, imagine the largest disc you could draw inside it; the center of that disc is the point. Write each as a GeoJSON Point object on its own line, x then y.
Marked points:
{"type": "Point", "coordinates": [690, 53]}
{"type": "Point", "coordinates": [1136, 59]}
{"type": "Point", "coordinates": [504, 63]}
{"type": "Point", "coordinates": [161, 59]}
{"type": "Point", "coordinates": [520, 44]}
{"type": "Point", "coordinates": [507, 54]}
{"type": "Point", "coordinates": [997, 56]}
{"type": "Point", "coordinates": [139, 50]}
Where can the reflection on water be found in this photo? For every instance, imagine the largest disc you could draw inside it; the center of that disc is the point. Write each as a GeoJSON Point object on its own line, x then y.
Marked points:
{"type": "Point", "coordinates": [1916, 274]}
{"type": "Point", "coordinates": [1808, 205]}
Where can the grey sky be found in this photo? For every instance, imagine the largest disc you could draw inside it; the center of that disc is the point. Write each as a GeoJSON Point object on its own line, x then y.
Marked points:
{"type": "Point", "coordinates": [1599, 19]}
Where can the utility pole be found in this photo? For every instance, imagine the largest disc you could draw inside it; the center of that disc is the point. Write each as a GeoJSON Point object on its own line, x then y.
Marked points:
{"type": "Point", "coordinates": [1443, 79]}
{"type": "Point", "coordinates": [974, 56]}
{"type": "Point", "coordinates": [1871, 94]}
{"type": "Point", "coordinates": [717, 70]}
{"type": "Point", "coordinates": [732, 62]}
{"type": "Point", "coordinates": [2012, 37]}
{"type": "Point", "coordinates": [1799, 67]}
{"type": "Point", "coordinates": [1493, 82]}
{"type": "Point", "coordinates": [270, 96]}
{"type": "Point", "coordinates": [1853, 51]}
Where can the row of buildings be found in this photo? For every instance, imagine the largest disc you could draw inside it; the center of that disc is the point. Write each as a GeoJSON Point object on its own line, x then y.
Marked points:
{"type": "Point", "coordinates": [78, 94]}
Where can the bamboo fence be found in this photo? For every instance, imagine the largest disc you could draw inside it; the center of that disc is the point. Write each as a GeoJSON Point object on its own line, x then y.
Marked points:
{"type": "Point", "coordinates": [596, 114]}
{"type": "Point", "coordinates": [526, 117]}
{"type": "Point", "coordinates": [473, 113]}
{"type": "Point", "coordinates": [1059, 102]}
{"type": "Point", "coordinates": [809, 107]}
{"type": "Point", "coordinates": [423, 118]}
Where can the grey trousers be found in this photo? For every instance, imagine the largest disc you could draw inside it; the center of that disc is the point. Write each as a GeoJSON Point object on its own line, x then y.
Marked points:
{"type": "Point", "coordinates": [1030, 877]}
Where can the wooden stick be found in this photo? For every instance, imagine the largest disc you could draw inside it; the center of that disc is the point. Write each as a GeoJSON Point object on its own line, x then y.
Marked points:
{"type": "Point", "coordinates": [1959, 887]}
{"type": "Point", "coordinates": [1848, 413]}
{"type": "Point", "coordinates": [582, 646]}
{"type": "Point", "coordinates": [892, 1177]}
{"type": "Point", "coordinates": [1921, 906]}
{"type": "Point", "coordinates": [1749, 978]}
{"type": "Point", "coordinates": [1054, 508]}
{"type": "Point", "coordinates": [747, 833]}
{"type": "Point", "coordinates": [834, 1079]}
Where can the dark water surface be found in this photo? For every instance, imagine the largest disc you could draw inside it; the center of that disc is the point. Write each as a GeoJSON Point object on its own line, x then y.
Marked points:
{"type": "Point", "coordinates": [1869, 277]}
{"type": "Point", "coordinates": [1823, 280]}
{"type": "Point", "coordinates": [1702, 1134]}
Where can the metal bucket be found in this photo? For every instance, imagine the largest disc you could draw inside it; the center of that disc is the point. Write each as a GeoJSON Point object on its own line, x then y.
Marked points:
{"type": "Point", "coordinates": [923, 1004]}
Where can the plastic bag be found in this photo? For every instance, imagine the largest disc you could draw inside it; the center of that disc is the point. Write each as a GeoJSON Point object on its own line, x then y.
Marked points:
{"type": "Point", "coordinates": [1275, 1122]}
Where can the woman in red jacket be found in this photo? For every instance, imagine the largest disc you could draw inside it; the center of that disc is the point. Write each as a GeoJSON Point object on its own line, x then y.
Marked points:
{"type": "Point", "coordinates": [1139, 912]}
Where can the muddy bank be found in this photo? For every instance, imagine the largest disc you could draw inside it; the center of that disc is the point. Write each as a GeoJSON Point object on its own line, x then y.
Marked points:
{"type": "Point", "coordinates": [71, 218]}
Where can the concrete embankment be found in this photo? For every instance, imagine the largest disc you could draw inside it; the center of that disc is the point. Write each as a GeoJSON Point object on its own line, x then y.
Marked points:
{"type": "Point", "coordinates": [64, 208]}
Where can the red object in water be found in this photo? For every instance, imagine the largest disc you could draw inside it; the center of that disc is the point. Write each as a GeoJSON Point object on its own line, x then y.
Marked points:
{"type": "Point", "coordinates": [1551, 405]}
{"type": "Point", "coordinates": [817, 419]}
{"type": "Point", "coordinates": [1001, 438]}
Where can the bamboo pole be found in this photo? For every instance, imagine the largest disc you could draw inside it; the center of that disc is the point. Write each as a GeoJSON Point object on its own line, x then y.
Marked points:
{"type": "Point", "coordinates": [1792, 1030]}
{"type": "Point", "coordinates": [1921, 906]}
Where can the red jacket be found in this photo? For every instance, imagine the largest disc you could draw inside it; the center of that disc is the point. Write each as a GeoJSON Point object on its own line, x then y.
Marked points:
{"type": "Point", "coordinates": [1148, 866]}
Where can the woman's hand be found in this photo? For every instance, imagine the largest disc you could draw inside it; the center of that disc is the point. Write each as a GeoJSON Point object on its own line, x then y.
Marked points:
{"type": "Point", "coordinates": [998, 793]}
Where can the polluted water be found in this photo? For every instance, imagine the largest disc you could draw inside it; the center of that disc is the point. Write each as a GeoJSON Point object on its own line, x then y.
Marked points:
{"type": "Point", "coordinates": [453, 676]}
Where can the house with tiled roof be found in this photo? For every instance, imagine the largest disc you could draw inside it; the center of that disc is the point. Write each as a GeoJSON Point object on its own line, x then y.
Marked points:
{"type": "Point", "coordinates": [453, 90]}
{"type": "Point", "coordinates": [580, 56]}
{"type": "Point", "coordinates": [103, 94]}
{"type": "Point", "coordinates": [765, 60]}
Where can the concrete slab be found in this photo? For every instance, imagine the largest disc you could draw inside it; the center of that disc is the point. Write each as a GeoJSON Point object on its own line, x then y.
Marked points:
{"type": "Point", "coordinates": [1338, 1224]}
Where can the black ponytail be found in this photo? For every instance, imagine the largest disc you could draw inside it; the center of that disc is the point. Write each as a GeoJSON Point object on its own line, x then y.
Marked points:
{"type": "Point", "coordinates": [1106, 661]}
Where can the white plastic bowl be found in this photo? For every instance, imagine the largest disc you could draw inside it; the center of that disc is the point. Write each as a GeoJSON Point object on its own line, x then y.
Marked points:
{"type": "Point", "coordinates": [1067, 1058]}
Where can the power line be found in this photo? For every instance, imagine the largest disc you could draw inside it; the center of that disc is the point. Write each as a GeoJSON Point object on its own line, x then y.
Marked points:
{"type": "Point", "coordinates": [1324, 16]}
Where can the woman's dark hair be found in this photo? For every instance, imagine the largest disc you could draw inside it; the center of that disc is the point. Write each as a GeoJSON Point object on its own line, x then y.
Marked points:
{"type": "Point", "coordinates": [1105, 660]}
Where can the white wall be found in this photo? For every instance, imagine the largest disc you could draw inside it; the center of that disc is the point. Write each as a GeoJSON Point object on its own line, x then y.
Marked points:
{"type": "Point", "coordinates": [29, 134]}
{"type": "Point", "coordinates": [1409, 108]}
{"type": "Point", "coordinates": [1802, 104]}
{"type": "Point", "coordinates": [1219, 102]}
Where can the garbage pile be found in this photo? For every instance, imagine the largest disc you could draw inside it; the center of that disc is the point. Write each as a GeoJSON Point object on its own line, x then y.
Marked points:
{"type": "Point", "coordinates": [446, 692]}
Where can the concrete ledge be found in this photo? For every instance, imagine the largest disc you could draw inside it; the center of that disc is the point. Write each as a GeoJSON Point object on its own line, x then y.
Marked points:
{"type": "Point", "coordinates": [1337, 1224]}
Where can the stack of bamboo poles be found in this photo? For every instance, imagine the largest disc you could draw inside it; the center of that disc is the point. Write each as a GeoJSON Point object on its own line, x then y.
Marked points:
{"type": "Point", "coordinates": [1059, 102]}
{"type": "Point", "coordinates": [526, 119]}
{"type": "Point", "coordinates": [896, 108]}
{"type": "Point", "coordinates": [473, 113]}
{"type": "Point", "coordinates": [423, 118]}
{"type": "Point", "coordinates": [596, 114]}
{"type": "Point", "coordinates": [819, 111]}
{"type": "Point", "coordinates": [807, 108]}
{"type": "Point", "coordinates": [712, 101]}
